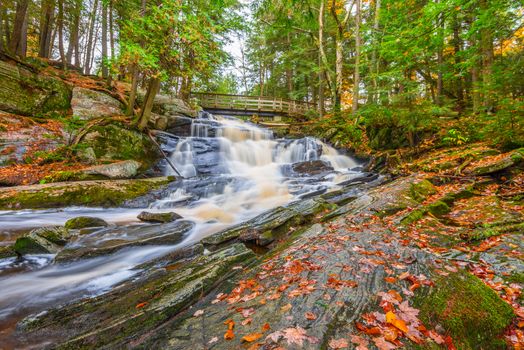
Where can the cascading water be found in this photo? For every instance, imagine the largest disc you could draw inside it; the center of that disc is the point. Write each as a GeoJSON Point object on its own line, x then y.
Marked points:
{"type": "Point", "coordinates": [232, 172]}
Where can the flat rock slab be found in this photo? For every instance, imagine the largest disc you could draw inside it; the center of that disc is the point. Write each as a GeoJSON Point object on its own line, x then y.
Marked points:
{"type": "Point", "coordinates": [105, 193]}
{"type": "Point", "coordinates": [89, 104]}
{"type": "Point", "coordinates": [107, 241]}
{"type": "Point", "coordinates": [118, 170]}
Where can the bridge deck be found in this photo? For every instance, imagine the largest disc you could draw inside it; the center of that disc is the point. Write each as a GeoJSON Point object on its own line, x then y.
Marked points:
{"type": "Point", "coordinates": [253, 104]}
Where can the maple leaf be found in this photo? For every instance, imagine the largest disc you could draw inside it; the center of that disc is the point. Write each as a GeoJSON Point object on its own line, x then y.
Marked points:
{"type": "Point", "coordinates": [338, 343]}
{"type": "Point", "coordinates": [229, 334]}
{"type": "Point", "coordinates": [293, 336]}
{"type": "Point", "coordinates": [437, 338]}
{"type": "Point", "coordinates": [408, 313]}
{"type": "Point", "coordinates": [383, 344]}
{"type": "Point", "coordinates": [310, 316]}
{"type": "Point", "coordinates": [252, 337]}
{"type": "Point", "coordinates": [392, 319]}
{"type": "Point", "coordinates": [362, 344]}
{"type": "Point", "coordinates": [141, 305]}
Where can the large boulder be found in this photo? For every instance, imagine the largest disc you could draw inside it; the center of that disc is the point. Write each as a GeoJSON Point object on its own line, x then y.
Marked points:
{"type": "Point", "coordinates": [44, 240]}
{"type": "Point", "coordinates": [119, 170]}
{"type": "Point", "coordinates": [116, 142]}
{"type": "Point", "coordinates": [26, 92]}
{"type": "Point", "coordinates": [85, 222]}
{"type": "Point", "coordinates": [168, 105]}
{"type": "Point", "coordinates": [490, 165]}
{"type": "Point", "coordinates": [158, 217]}
{"type": "Point", "coordinates": [89, 104]}
{"type": "Point", "coordinates": [312, 167]}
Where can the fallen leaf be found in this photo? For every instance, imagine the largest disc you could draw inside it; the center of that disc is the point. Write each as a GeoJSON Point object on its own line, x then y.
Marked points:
{"type": "Point", "coordinates": [310, 316]}
{"type": "Point", "coordinates": [362, 344]}
{"type": "Point", "coordinates": [198, 313]}
{"type": "Point", "coordinates": [286, 307]}
{"type": "Point", "coordinates": [252, 337]}
{"type": "Point", "coordinates": [247, 321]}
{"type": "Point", "coordinates": [338, 343]}
{"type": "Point", "coordinates": [141, 305]}
{"type": "Point", "coordinates": [213, 340]}
{"type": "Point", "coordinates": [390, 279]}
{"type": "Point", "coordinates": [229, 334]}
{"type": "Point", "coordinates": [266, 327]}
{"type": "Point", "coordinates": [392, 319]}
{"type": "Point", "coordinates": [383, 344]}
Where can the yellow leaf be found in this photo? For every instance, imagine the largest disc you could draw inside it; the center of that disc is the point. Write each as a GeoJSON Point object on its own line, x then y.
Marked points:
{"type": "Point", "coordinates": [252, 337]}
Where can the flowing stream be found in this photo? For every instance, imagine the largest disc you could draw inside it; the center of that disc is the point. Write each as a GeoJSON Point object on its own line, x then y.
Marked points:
{"type": "Point", "coordinates": [232, 172]}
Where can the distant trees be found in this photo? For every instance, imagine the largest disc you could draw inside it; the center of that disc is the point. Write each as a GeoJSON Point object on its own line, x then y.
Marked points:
{"type": "Point", "coordinates": [447, 52]}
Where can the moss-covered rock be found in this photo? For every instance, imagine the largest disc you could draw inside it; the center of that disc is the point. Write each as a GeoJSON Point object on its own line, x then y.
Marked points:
{"type": "Point", "coordinates": [482, 233]}
{"type": "Point", "coordinates": [495, 164]}
{"type": "Point", "coordinates": [88, 104]}
{"type": "Point", "coordinates": [26, 92]}
{"type": "Point", "coordinates": [158, 217]}
{"type": "Point", "coordinates": [7, 252]}
{"type": "Point", "coordinates": [473, 314]}
{"type": "Point", "coordinates": [84, 222]}
{"type": "Point", "coordinates": [420, 190]}
{"type": "Point", "coordinates": [104, 193]}
{"type": "Point", "coordinates": [45, 240]}
{"type": "Point", "coordinates": [119, 170]}
{"type": "Point", "coordinates": [439, 208]}
{"type": "Point", "coordinates": [116, 142]}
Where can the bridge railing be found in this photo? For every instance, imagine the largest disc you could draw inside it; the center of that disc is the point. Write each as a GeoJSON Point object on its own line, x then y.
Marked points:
{"type": "Point", "coordinates": [253, 103]}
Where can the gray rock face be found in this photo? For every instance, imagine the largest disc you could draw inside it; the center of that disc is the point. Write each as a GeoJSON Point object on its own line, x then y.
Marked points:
{"type": "Point", "coordinates": [167, 105]}
{"type": "Point", "coordinates": [26, 93]}
{"type": "Point", "coordinates": [313, 167]}
{"type": "Point", "coordinates": [89, 104]}
{"type": "Point", "coordinates": [119, 170]}
{"type": "Point", "coordinates": [109, 240]}
{"type": "Point", "coordinates": [85, 222]}
{"type": "Point", "coordinates": [158, 217]}
{"type": "Point", "coordinates": [494, 165]}
{"type": "Point", "coordinates": [45, 240]}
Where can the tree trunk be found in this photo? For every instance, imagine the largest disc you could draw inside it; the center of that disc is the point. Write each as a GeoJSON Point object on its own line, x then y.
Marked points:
{"type": "Point", "coordinates": [145, 115]}
{"type": "Point", "coordinates": [2, 47]}
{"type": "Point", "coordinates": [61, 32]}
{"type": "Point", "coordinates": [440, 53]}
{"type": "Point", "coordinates": [6, 31]}
{"type": "Point", "coordinates": [135, 75]}
{"type": "Point", "coordinates": [374, 62]}
{"type": "Point", "coordinates": [46, 22]}
{"type": "Point", "coordinates": [87, 63]}
{"type": "Point", "coordinates": [321, 56]}
{"type": "Point", "coordinates": [111, 30]}
{"type": "Point", "coordinates": [356, 79]}
{"type": "Point", "coordinates": [105, 72]}
{"type": "Point", "coordinates": [457, 47]}
{"type": "Point", "coordinates": [73, 47]}
{"type": "Point", "coordinates": [18, 44]}
{"type": "Point", "coordinates": [486, 47]}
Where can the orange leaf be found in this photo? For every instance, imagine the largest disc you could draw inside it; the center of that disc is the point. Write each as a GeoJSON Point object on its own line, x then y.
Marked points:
{"type": "Point", "coordinates": [229, 334]}
{"type": "Point", "coordinates": [310, 316]}
{"type": "Point", "coordinates": [390, 279]}
{"type": "Point", "coordinates": [141, 305]}
{"type": "Point", "coordinates": [391, 318]}
{"type": "Point", "coordinates": [266, 327]}
{"type": "Point", "coordinates": [252, 337]}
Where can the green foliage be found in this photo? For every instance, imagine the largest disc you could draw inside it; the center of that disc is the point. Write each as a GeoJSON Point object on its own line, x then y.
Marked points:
{"type": "Point", "coordinates": [506, 126]}
{"type": "Point", "coordinates": [455, 138]}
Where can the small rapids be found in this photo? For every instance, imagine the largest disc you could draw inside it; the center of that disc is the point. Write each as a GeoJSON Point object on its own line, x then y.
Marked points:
{"type": "Point", "coordinates": [232, 170]}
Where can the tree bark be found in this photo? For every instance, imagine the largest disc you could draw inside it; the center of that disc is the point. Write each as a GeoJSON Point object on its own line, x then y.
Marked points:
{"type": "Point", "coordinates": [145, 115]}
{"type": "Point", "coordinates": [2, 47]}
{"type": "Point", "coordinates": [457, 47]}
{"type": "Point", "coordinates": [339, 54]}
{"type": "Point", "coordinates": [486, 47]}
{"type": "Point", "coordinates": [374, 62]}
{"type": "Point", "coordinates": [18, 44]}
{"type": "Point", "coordinates": [356, 94]}
{"type": "Point", "coordinates": [321, 56]}
{"type": "Point", "coordinates": [440, 53]}
{"type": "Point", "coordinates": [135, 74]}
{"type": "Point", "coordinates": [46, 23]}
{"type": "Point", "coordinates": [61, 32]}
{"type": "Point", "coordinates": [105, 72]}
{"type": "Point", "coordinates": [73, 47]}
{"type": "Point", "coordinates": [89, 48]}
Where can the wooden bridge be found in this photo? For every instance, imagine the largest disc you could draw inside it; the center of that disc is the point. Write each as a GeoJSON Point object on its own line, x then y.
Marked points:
{"type": "Point", "coordinates": [261, 106]}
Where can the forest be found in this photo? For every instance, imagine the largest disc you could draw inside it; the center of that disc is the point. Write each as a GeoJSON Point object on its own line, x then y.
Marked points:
{"type": "Point", "coordinates": [262, 174]}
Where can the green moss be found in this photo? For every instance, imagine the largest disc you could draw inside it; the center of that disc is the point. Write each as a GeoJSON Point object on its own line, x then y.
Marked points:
{"type": "Point", "coordinates": [468, 310]}
{"type": "Point", "coordinates": [421, 190]}
{"type": "Point", "coordinates": [438, 208]}
{"type": "Point", "coordinates": [7, 252]}
{"type": "Point", "coordinates": [104, 194]}
{"type": "Point", "coordinates": [27, 245]}
{"type": "Point", "coordinates": [516, 277]}
{"type": "Point", "coordinates": [483, 233]}
{"type": "Point", "coordinates": [83, 222]}
{"type": "Point", "coordinates": [414, 216]}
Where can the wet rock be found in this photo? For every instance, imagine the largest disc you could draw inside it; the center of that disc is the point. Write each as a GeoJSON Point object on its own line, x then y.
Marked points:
{"type": "Point", "coordinates": [313, 167]}
{"type": "Point", "coordinates": [45, 240]}
{"type": "Point", "coordinates": [161, 294]}
{"type": "Point", "coordinates": [109, 240]}
{"type": "Point", "coordinates": [85, 222]}
{"type": "Point", "coordinates": [7, 252]}
{"type": "Point", "coordinates": [105, 193]}
{"type": "Point", "coordinates": [89, 104]}
{"type": "Point", "coordinates": [262, 229]}
{"type": "Point", "coordinates": [168, 105]}
{"type": "Point", "coordinates": [25, 92]}
{"type": "Point", "coordinates": [119, 170]}
{"type": "Point", "coordinates": [364, 178]}
{"type": "Point", "coordinates": [158, 217]}
{"type": "Point", "coordinates": [495, 164]}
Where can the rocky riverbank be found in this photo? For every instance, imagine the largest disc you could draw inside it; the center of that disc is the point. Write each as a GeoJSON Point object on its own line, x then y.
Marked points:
{"type": "Point", "coordinates": [428, 260]}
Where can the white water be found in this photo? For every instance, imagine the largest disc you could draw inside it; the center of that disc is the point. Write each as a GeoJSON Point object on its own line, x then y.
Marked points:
{"type": "Point", "coordinates": [252, 181]}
